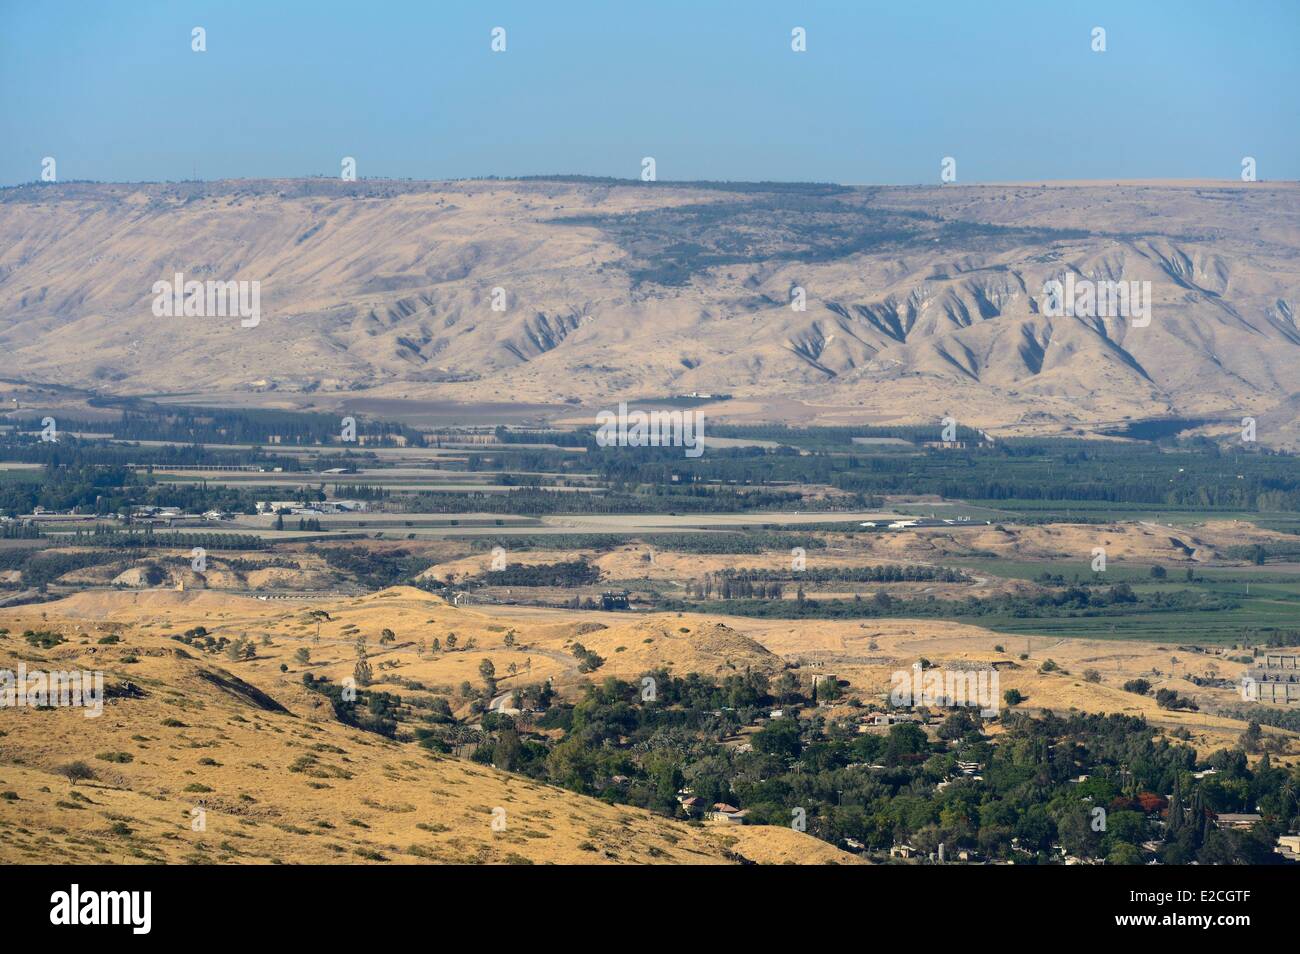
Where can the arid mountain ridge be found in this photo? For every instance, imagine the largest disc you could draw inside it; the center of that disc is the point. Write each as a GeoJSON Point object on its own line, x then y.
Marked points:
{"type": "Point", "coordinates": [920, 301]}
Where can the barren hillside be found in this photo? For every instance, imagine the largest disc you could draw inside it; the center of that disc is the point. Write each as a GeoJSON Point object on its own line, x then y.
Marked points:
{"type": "Point", "coordinates": [919, 301]}
{"type": "Point", "coordinates": [276, 778]}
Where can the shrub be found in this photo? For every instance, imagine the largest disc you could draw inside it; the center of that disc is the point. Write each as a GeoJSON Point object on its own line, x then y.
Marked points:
{"type": "Point", "coordinates": [77, 772]}
{"type": "Point", "coordinates": [1169, 699]}
{"type": "Point", "coordinates": [43, 639]}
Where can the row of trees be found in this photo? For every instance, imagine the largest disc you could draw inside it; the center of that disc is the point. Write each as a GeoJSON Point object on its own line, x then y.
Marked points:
{"type": "Point", "coordinates": [1070, 602]}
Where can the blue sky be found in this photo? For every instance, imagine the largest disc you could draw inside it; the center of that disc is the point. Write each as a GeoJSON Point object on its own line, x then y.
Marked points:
{"type": "Point", "coordinates": [712, 90]}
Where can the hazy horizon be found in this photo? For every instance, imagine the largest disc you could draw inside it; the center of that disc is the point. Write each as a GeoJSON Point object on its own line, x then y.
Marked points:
{"type": "Point", "coordinates": [1191, 181]}
{"type": "Point", "coordinates": [1016, 93]}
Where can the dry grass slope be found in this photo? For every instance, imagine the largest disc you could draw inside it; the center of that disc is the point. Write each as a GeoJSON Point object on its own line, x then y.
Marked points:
{"type": "Point", "coordinates": [291, 786]}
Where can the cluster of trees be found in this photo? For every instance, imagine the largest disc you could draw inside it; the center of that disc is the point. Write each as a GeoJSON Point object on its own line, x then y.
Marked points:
{"type": "Point", "coordinates": [83, 487]}
{"type": "Point", "coordinates": [881, 573]}
{"type": "Point", "coordinates": [360, 492]}
{"type": "Point", "coordinates": [1259, 553]}
{"type": "Point", "coordinates": [535, 501]}
{"type": "Point", "coordinates": [1279, 637]}
{"type": "Point", "coordinates": [588, 660]}
{"type": "Point", "coordinates": [375, 569]}
{"type": "Point", "coordinates": [561, 438]}
{"type": "Point", "coordinates": [753, 541]}
{"type": "Point", "coordinates": [304, 523]}
{"type": "Point", "coordinates": [1257, 715]}
{"type": "Point", "coordinates": [69, 451]}
{"type": "Point", "coordinates": [103, 536]}
{"type": "Point", "coordinates": [727, 588]}
{"type": "Point", "coordinates": [1170, 699]}
{"type": "Point", "coordinates": [567, 573]}
{"type": "Point", "coordinates": [41, 567]}
{"type": "Point", "coordinates": [1034, 470]}
{"type": "Point", "coordinates": [836, 436]}
{"type": "Point", "coordinates": [720, 542]}
{"type": "Point", "coordinates": [42, 638]}
{"type": "Point", "coordinates": [369, 710]}
{"type": "Point", "coordinates": [192, 425]}
{"type": "Point", "coordinates": [241, 647]}
{"type": "Point", "coordinates": [23, 530]}
{"type": "Point", "coordinates": [1157, 572]}
{"type": "Point", "coordinates": [1070, 471]}
{"type": "Point", "coordinates": [93, 478]}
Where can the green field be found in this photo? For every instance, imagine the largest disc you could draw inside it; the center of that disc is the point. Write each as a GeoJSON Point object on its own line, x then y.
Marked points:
{"type": "Point", "coordinates": [1268, 598]}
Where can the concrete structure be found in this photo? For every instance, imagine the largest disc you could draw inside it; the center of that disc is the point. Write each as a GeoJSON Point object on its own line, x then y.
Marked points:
{"type": "Point", "coordinates": [1288, 846]}
{"type": "Point", "coordinates": [1277, 680]}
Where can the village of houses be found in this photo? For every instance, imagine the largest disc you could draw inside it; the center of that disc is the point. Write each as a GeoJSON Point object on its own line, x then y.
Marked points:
{"type": "Point", "coordinates": [1283, 669]}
